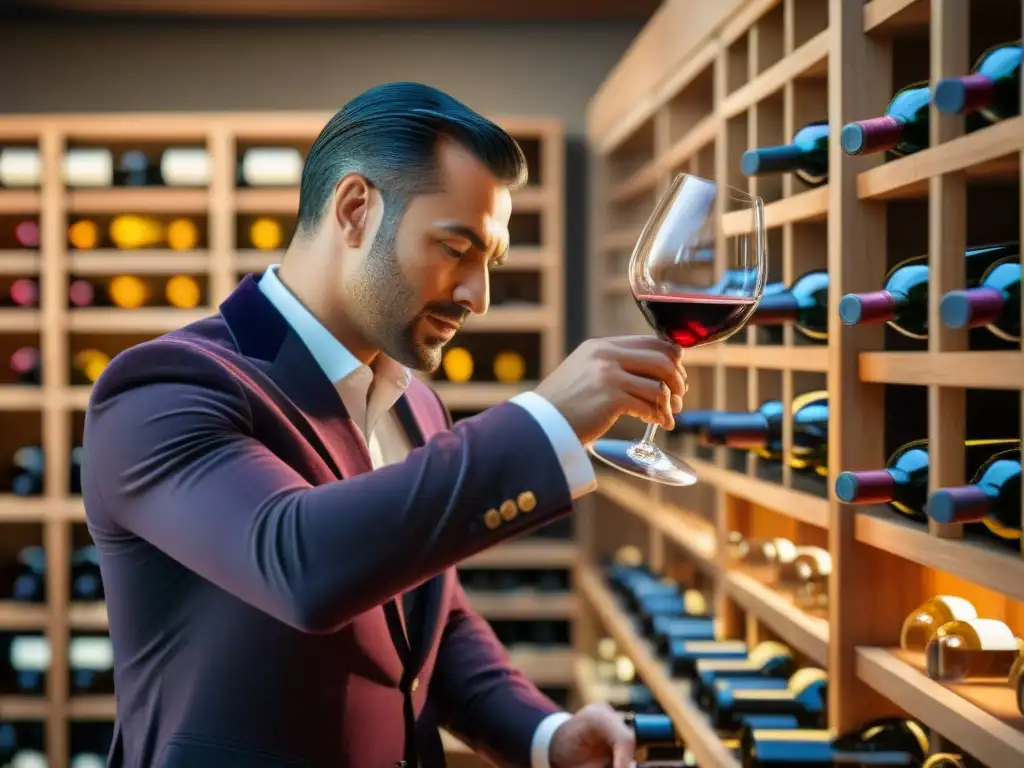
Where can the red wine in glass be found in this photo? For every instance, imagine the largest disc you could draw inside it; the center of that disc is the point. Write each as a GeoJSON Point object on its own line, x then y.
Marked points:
{"type": "Point", "coordinates": [691, 320]}
{"type": "Point", "coordinates": [679, 295]}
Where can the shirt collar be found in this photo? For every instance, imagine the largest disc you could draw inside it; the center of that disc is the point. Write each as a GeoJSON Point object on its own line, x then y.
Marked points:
{"type": "Point", "coordinates": [351, 377]}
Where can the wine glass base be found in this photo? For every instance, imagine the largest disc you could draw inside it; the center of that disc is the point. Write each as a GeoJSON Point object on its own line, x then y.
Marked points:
{"type": "Point", "coordinates": [661, 468]}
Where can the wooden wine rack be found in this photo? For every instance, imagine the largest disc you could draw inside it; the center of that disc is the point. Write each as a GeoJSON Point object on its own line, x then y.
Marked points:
{"type": "Point", "coordinates": [698, 87]}
{"type": "Point", "coordinates": [53, 326]}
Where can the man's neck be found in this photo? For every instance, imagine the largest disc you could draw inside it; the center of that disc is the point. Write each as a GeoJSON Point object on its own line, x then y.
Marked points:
{"type": "Point", "coordinates": [308, 278]}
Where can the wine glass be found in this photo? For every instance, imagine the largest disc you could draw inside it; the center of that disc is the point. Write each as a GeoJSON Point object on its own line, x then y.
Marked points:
{"type": "Point", "coordinates": [672, 277]}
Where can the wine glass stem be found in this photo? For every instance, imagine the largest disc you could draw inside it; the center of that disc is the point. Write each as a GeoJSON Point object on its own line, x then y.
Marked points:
{"type": "Point", "coordinates": [649, 434]}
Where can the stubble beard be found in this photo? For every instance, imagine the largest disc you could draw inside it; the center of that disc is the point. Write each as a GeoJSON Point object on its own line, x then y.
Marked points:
{"type": "Point", "coordinates": [387, 306]}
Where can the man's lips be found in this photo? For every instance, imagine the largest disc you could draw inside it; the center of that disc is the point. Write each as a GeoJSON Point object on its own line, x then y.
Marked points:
{"type": "Point", "coordinates": [445, 326]}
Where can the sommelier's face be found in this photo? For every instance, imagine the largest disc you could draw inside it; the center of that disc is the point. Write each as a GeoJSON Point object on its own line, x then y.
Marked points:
{"type": "Point", "coordinates": [409, 285]}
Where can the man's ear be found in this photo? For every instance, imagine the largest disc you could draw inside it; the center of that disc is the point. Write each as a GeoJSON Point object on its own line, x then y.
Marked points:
{"type": "Point", "coordinates": [352, 203]}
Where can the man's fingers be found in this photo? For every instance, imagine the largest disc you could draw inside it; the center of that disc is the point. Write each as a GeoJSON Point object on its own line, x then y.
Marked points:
{"type": "Point", "coordinates": [654, 365]}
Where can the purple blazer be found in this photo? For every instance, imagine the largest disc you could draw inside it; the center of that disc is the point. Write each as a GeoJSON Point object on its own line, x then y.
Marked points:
{"type": "Point", "coordinates": [275, 604]}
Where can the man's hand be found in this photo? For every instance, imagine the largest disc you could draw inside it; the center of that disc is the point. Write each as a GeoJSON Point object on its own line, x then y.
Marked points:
{"type": "Point", "coordinates": [595, 737]}
{"type": "Point", "coordinates": [603, 379]}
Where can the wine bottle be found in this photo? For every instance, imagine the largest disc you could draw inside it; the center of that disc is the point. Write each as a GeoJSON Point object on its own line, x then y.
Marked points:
{"type": "Point", "coordinates": [766, 659]}
{"type": "Point", "coordinates": [270, 167]}
{"type": "Point", "coordinates": [692, 422]}
{"type": "Point", "coordinates": [762, 431]}
{"type": "Point", "coordinates": [801, 704]}
{"type": "Point", "coordinates": [87, 365]}
{"type": "Point", "coordinates": [86, 578]}
{"type": "Point", "coordinates": [84, 235]}
{"type": "Point", "coordinates": [23, 745]}
{"type": "Point", "coordinates": [183, 292]}
{"type": "Point", "coordinates": [509, 367]}
{"type": "Point", "coordinates": [91, 659]}
{"type": "Point", "coordinates": [28, 662]}
{"type": "Point", "coordinates": [920, 625]}
{"type": "Point", "coordinates": [903, 302]}
{"type": "Point", "coordinates": [457, 364]}
{"type": "Point", "coordinates": [806, 156]}
{"type": "Point", "coordinates": [765, 554]}
{"type": "Point", "coordinates": [992, 88]}
{"type": "Point", "coordinates": [29, 584]}
{"type": "Point", "coordinates": [26, 365]}
{"type": "Point", "coordinates": [131, 231]}
{"type": "Point", "coordinates": [881, 742]}
{"type": "Point", "coordinates": [26, 234]}
{"type": "Point", "coordinates": [20, 167]}
{"type": "Point", "coordinates": [807, 563]}
{"type": "Point", "coordinates": [88, 167]}
{"type": "Point", "coordinates": [1017, 681]}
{"type": "Point", "coordinates": [805, 304]}
{"type": "Point", "coordinates": [185, 167]}
{"type": "Point", "coordinates": [689, 604]}
{"type": "Point", "coordinates": [683, 655]}
{"type": "Point", "coordinates": [652, 730]}
{"type": "Point", "coordinates": [994, 302]}
{"type": "Point", "coordinates": [968, 648]}
{"type": "Point", "coordinates": [24, 292]}
{"type": "Point", "coordinates": [669, 628]}
{"type": "Point", "coordinates": [902, 130]}
{"type": "Point", "coordinates": [135, 170]}
{"type": "Point", "coordinates": [992, 497]}
{"type": "Point", "coordinates": [121, 291]}
{"type": "Point", "coordinates": [75, 478]}
{"type": "Point", "coordinates": [903, 484]}
{"type": "Point", "coordinates": [29, 469]}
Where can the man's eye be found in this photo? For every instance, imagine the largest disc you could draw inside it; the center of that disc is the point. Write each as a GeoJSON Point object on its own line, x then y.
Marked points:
{"type": "Point", "coordinates": [453, 252]}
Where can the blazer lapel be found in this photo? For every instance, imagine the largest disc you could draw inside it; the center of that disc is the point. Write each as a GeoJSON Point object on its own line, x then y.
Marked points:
{"type": "Point", "coordinates": [423, 604]}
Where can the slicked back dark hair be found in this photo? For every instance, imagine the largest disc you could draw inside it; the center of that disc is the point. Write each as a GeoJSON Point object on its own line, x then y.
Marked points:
{"type": "Point", "coordinates": [389, 134]}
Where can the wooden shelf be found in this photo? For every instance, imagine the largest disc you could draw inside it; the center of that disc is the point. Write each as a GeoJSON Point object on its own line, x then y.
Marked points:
{"type": "Point", "coordinates": [153, 320]}
{"type": "Point", "coordinates": [19, 320]}
{"type": "Point", "coordinates": [113, 262]}
{"type": "Point", "coordinates": [23, 616]}
{"type": "Point", "coordinates": [477, 396]}
{"type": "Point", "coordinates": [14, 201]}
{"type": "Point", "coordinates": [673, 695]}
{"type": "Point", "coordinates": [525, 553]}
{"type": "Point", "coordinates": [807, 634]}
{"type": "Point", "coordinates": [544, 666]}
{"type": "Point", "coordinates": [21, 397]}
{"type": "Point", "coordinates": [19, 263]}
{"type": "Point", "coordinates": [691, 533]}
{"type": "Point", "coordinates": [14, 708]}
{"type": "Point", "coordinates": [796, 504]}
{"type": "Point", "coordinates": [982, 370]}
{"type": "Point", "coordinates": [998, 568]}
{"type": "Point", "coordinates": [809, 61]}
{"type": "Point", "coordinates": [698, 137]}
{"type": "Point", "coordinates": [523, 605]}
{"type": "Point", "coordinates": [980, 718]}
{"type": "Point", "coordinates": [811, 358]}
{"type": "Point", "coordinates": [116, 200]}
{"type": "Point", "coordinates": [897, 16]}
{"type": "Point", "coordinates": [87, 616]}
{"type": "Point", "coordinates": [989, 154]}
{"type": "Point", "coordinates": [811, 205]}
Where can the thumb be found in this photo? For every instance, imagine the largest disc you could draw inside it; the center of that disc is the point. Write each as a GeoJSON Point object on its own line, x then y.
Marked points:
{"type": "Point", "coordinates": [623, 752]}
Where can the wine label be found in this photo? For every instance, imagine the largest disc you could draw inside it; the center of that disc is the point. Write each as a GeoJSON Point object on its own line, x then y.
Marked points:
{"type": "Point", "coordinates": [30, 654]}
{"type": "Point", "coordinates": [185, 167]}
{"type": "Point", "coordinates": [993, 635]}
{"type": "Point", "coordinates": [761, 694]}
{"type": "Point", "coordinates": [959, 609]}
{"type": "Point", "coordinates": [711, 646]}
{"type": "Point", "coordinates": [272, 166]}
{"type": "Point", "coordinates": [809, 736]}
{"type": "Point", "coordinates": [92, 653]}
{"type": "Point", "coordinates": [88, 168]}
{"type": "Point", "coordinates": [20, 167]}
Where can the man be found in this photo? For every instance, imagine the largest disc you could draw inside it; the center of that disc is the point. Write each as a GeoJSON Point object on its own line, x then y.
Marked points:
{"type": "Point", "coordinates": [279, 504]}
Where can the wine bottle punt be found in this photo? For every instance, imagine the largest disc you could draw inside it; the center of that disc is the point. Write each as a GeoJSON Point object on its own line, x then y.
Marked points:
{"type": "Point", "coordinates": [994, 302]}
{"type": "Point", "coordinates": [806, 157]}
{"type": "Point", "coordinates": [805, 304]}
{"type": "Point", "coordinates": [902, 130]}
{"type": "Point", "coordinates": [993, 497]}
{"type": "Point", "coordinates": [903, 302]}
{"type": "Point", "coordinates": [964, 649]}
{"type": "Point", "coordinates": [992, 88]}
{"type": "Point", "coordinates": [920, 625]}
{"type": "Point", "coordinates": [903, 484]}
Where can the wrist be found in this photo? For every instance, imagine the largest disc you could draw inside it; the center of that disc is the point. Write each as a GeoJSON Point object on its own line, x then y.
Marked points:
{"type": "Point", "coordinates": [543, 754]}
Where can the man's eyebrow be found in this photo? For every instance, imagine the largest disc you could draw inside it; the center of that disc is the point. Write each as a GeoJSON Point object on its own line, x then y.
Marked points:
{"type": "Point", "coordinates": [462, 230]}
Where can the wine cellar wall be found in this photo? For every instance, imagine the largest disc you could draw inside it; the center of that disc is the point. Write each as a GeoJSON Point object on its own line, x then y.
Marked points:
{"type": "Point", "coordinates": [115, 229]}
{"type": "Point", "coordinates": [890, 372]}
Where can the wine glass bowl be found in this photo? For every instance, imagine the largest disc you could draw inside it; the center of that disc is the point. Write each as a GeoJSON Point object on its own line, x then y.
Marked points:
{"type": "Point", "coordinates": [673, 276]}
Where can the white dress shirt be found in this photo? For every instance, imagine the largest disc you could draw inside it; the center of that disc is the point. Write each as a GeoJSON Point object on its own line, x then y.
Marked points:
{"type": "Point", "coordinates": [386, 439]}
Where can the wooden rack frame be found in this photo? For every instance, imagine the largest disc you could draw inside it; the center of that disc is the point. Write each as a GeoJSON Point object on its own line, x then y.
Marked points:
{"type": "Point", "coordinates": [763, 69]}
{"type": "Point", "coordinates": [220, 264]}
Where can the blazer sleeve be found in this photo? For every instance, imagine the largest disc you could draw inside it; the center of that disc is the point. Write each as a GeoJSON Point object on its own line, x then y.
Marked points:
{"type": "Point", "coordinates": [479, 697]}
{"type": "Point", "coordinates": [172, 456]}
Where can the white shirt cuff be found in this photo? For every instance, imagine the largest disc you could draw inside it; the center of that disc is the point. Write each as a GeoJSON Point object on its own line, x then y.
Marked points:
{"type": "Point", "coordinates": [575, 461]}
{"type": "Point", "coordinates": [540, 756]}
